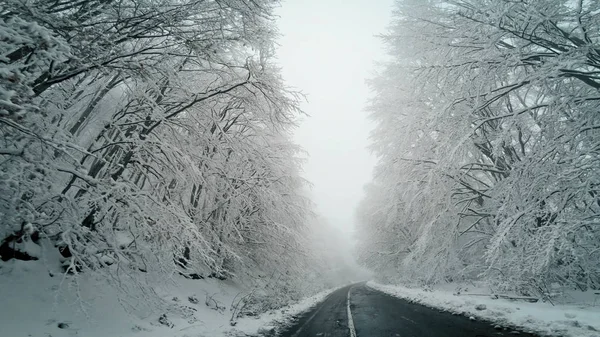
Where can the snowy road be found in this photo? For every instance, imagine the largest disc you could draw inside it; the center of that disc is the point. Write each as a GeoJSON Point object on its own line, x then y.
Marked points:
{"type": "Point", "coordinates": [360, 311]}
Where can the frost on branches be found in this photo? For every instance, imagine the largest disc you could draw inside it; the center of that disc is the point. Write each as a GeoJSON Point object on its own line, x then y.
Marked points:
{"type": "Point", "coordinates": [150, 137]}
{"type": "Point", "coordinates": [488, 137]}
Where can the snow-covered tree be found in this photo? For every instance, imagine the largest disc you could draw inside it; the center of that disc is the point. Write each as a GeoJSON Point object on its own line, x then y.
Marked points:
{"type": "Point", "coordinates": [487, 136]}
{"type": "Point", "coordinates": [149, 136]}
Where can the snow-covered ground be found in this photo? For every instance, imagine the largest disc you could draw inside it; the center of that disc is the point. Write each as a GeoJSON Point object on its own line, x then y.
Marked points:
{"type": "Point", "coordinates": [579, 319]}
{"type": "Point", "coordinates": [39, 301]}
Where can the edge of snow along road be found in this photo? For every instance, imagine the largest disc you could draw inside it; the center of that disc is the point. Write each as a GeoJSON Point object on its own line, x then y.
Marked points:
{"type": "Point", "coordinates": [541, 318]}
{"type": "Point", "coordinates": [316, 303]}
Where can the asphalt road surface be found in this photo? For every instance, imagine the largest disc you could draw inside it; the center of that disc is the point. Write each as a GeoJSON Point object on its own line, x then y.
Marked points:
{"type": "Point", "coordinates": [361, 311]}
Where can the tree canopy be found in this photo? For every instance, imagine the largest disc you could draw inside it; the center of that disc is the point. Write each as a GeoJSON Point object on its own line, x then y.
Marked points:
{"type": "Point", "coordinates": [487, 134]}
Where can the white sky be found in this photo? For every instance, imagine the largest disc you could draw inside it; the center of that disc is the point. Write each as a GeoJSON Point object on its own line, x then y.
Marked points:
{"type": "Point", "coordinates": [327, 50]}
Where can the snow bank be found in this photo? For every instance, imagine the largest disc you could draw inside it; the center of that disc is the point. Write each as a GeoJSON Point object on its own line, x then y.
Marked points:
{"type": "Point", "coordinates": [40, 301]}
{"type": "Point", "coordinates": [561, 320]}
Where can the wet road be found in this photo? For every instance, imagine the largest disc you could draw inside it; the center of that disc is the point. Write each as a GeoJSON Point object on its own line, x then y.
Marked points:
{"type": "Point", "coordinates": [369, 313]}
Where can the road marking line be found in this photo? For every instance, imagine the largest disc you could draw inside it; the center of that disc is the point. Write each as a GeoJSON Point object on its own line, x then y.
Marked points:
{"type": "Point", "coordinates": [350, 321]}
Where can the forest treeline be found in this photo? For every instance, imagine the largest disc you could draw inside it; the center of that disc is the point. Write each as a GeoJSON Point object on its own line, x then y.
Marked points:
{"type": "Point", "coordinates": [153, 137]}
{"type": "Point", "coordinates": [487, 134]}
